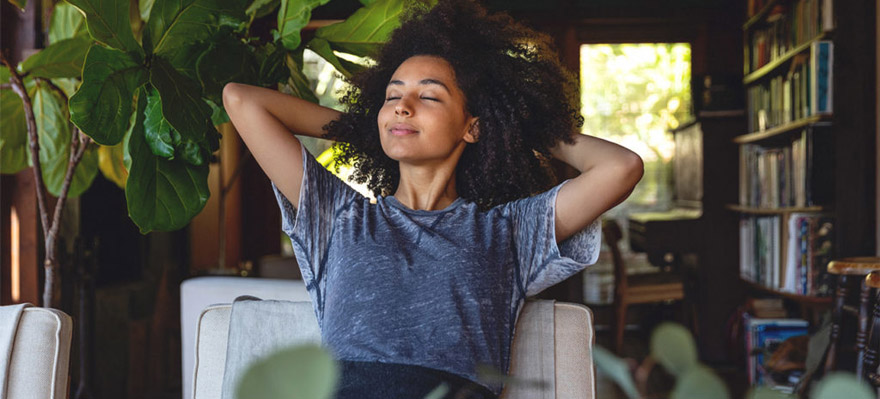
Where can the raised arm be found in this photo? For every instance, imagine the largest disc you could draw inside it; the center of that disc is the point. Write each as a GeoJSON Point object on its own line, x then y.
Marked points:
{"type": "Point", "coordinates": [266, 120]}
{"type": "Point", "coordinates": [609, 173]}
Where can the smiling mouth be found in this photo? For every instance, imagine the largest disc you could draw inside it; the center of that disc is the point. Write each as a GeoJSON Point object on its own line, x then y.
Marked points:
{"type": "Point", "coordinates": [402, 131]}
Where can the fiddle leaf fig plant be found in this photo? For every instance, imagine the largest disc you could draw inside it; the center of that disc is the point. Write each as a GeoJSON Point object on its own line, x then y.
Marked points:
{"type": "Point", "coordinates": [136, 94]}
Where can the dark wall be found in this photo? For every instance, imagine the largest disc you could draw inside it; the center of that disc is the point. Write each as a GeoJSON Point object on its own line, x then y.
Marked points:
{"type": "Point", "coordinates": [854, 127]}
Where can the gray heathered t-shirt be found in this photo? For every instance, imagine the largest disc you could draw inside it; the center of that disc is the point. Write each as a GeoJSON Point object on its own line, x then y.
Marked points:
{"type": "Point", "coordinates": [439, 289]}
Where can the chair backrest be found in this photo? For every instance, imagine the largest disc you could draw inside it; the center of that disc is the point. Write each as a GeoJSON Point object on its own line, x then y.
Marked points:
{"type": "Point", "coordinates": [613, 234]}
{"type": "Point", "coordinates": [572, 342]}
{"type": "Point", "coordinates": [40, 355]}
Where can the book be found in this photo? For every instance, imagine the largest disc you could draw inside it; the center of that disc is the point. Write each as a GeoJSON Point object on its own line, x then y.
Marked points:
{"type": "Point", "coordinates": [763, 337]}
{"type": "Point", "coordinates": [821, 84]}
{"type": "Point", "coordinates": [810, 247]}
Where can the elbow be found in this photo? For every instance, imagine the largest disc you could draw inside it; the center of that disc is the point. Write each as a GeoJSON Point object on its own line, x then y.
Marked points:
{"type": "Point", "coordinates": [231, 95]}
{"type": "Point", "coordinates": [634, 168]}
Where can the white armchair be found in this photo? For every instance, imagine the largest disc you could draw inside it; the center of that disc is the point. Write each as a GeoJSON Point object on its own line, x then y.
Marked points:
{"type": "Point", "coordinates": [198, 293]}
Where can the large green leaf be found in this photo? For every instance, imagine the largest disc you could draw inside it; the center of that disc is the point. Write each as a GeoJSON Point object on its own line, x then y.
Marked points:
{"type": "Point", "coordinates": [108, 22]}
{"type": "Point", "coordinates": [103, 104]}
{"type": "Point", "coordinates": [261, 8]}
{"type": "Point", "coordinates": [64, 59]}
{"type": "Point", "coordinates": [185, 60]}
{"type": "Point", "coordinates": [14, 154]}
{"type": "Point", "coordinates": [298, 84]}
{"type": "Point", "coordinates": [111, 163]}
{"type": "Point", "coordinates": [160, 136]}
{"type": "Point", "coordinates": [292, 17]}
{"type": "Point", "coordinates": [175, 24]}
{"type": "Point", "coordinates": [673, 346]}
{"type": "Point", "coordinates": [54, 138]}
{"type": "Point", "coordinates": [114, 161]}
{"type": "Point", "coordinates": [161, 194]}
{"type": "Point", "coordinates": [271, 59]}
{"type": "Point", "coordinates": [842, 385]}
{"type": "Point", "coordinates": [67, 22]}
{"type": "Point", "coordinates": [144, 8]}
{"type": "Point", "coordinates": [67, 85]}
{"type": "Point", "coordinates": [615, 369]}
{"type": "Point", "coordinates": [323, 48]}
{"type": "Point", "coordinates": [182, 105]}
{"type": "Point", "coordinates": [299, 372]}
{"type": "Point", "coordinates": [165, 141]}
{"type": "Point", "coordinates": [364, 32]}
{"type": "Point", "coordinates": [226, 60]}
{"type": "Point", "coordinates": [218, 115]}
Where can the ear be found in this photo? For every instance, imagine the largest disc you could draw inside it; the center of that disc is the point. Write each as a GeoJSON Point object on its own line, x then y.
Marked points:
{"type": "Point", "coordinates": [472, 134]}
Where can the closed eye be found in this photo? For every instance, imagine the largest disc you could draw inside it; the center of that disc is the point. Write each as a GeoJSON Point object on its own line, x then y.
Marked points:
{"type": "Point", "coordinates": [430, 99]}
{"type": "Point", "coordinates": [392, 98]}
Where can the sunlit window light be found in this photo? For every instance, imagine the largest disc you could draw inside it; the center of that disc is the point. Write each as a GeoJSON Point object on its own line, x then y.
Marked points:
{"type": "Point", "coordinates": [633, 94]}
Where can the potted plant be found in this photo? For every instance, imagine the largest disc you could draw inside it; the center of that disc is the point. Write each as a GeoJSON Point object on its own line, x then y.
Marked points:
{"type": "Point", "coordinates": [137, 95]}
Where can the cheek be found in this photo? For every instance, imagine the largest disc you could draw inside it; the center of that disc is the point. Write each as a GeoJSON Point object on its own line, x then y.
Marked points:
{"type": "Point", "coordinates": [384, 114]}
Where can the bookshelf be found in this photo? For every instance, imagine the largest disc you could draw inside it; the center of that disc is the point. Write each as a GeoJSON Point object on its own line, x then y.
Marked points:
{"type": "Point", "coordinates": [786, 203]}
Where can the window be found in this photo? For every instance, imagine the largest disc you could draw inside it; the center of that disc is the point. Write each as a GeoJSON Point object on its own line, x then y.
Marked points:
{"type": "Point", "coordinates": [633, 94]}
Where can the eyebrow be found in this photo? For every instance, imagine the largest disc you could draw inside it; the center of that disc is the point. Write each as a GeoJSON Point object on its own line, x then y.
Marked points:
{"type": "Point", "coordinates": [427, 81]}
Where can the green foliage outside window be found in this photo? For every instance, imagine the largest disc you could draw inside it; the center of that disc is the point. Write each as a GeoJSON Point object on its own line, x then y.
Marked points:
{"type": "Point", "coordinates": [633, 94]}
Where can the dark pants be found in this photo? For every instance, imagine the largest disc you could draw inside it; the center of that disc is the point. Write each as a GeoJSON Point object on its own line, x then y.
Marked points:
{"type": "Point", "coordinates": [368, 380]}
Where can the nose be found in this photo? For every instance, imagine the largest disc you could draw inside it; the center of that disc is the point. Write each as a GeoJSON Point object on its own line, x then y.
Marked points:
{"type": "Point", "coordinates": [402, 108]}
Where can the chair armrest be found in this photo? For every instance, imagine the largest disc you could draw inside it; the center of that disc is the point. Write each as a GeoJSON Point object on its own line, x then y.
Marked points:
{"type": "Point", "coordinates": [40, 355]}
{"type": "Point", "coordinates": [210, 352]}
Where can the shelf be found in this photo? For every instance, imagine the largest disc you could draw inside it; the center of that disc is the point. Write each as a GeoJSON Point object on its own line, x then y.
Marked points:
{"type": "Point", "coordinates": [769, 67]}
{"type": "Point", "coordinates": [760, 14]}
{"type": "Point", "coordinates": [821, 301]}
{"type": "Point", "coordinates": [721, 113]}
{"type": "Point", "coordinates": [782, 129]}
{"type": "Point", "coordinates": [773, 211]}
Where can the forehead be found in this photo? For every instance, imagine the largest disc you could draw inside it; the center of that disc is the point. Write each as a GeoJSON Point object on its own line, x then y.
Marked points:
{"type": "Point", "coordinates": [420, 67]}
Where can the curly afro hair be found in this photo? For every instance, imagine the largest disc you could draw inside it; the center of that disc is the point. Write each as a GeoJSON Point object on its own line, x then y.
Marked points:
{"type": "Point", "coordinates": [524, 99]}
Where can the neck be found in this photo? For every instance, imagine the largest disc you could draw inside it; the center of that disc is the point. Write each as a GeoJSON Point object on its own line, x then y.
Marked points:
{"type": "Point", "coordinates": [426, 188]}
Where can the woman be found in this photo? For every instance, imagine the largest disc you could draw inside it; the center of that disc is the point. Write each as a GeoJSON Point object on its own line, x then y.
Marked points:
{"type": "Point", "coordinates": [450, 129]}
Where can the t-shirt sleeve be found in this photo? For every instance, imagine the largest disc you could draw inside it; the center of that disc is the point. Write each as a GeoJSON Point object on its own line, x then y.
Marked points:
{"type": "Point", "coordinates": [541, 261]}
{"type": "Point", "coordinates": [310, 224]}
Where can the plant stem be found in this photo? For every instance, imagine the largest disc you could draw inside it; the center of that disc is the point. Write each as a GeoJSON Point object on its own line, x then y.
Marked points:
{"type": "Point", "coordinates": [51, 262]}
{"type": "Point", "coordinates": [78, 145]}
{"type": "Point", "coordinates": [34, 146]}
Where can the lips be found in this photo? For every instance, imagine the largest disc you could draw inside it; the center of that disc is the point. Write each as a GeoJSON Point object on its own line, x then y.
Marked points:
{"type": "Point", "coordinates": [402, 129]}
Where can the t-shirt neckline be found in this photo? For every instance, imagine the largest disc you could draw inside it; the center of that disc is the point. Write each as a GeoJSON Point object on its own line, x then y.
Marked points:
{"type": "Point", "coordinates": [395, 203]}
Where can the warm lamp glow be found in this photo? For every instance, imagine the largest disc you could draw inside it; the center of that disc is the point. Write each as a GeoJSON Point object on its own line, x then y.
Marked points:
{"type": "Point", "coordinates": [15, 265]}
